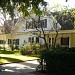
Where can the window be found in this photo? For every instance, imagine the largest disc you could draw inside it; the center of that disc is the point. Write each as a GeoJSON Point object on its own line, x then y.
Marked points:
{"type": "Point", "coordinates": [17, 41]}
{"type": "Point", "coordinates": [9, 41]}
{"type": "Point", "coordinates": [14, 41]}
{"type": "Point", "coordinates": [45, 23]}
{"type": "Point", "coordinates": [65, 41]}
{"type": "Point", "coordinates": [2, 42]}
{"type": "Point", "coordinates": [52, 40]}
{"type": "Point", "coordinates": [37, 39]}
{"type": "Point", "coordinates": [49, 40]}
{"type": "Point", "coordinates": [31, 39]}
{"type": "Point", "coordinates": [31, 25]}
{"type": "Point", "coordinates": [27, 24]}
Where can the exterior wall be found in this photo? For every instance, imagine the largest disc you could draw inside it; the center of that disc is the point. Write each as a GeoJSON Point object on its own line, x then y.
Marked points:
{"type": "Point", "coordinates": [21, 25]}
{"type": "Point", "coordinates": [64, 35]}
{"type": "Point", "coordinates": [3, 38]}
{"type": "Point", "coordinates": [25, 36]}
{"type": "Point", "coordinates": [72, 39]}
{"type": "Point", "coordinates": [21, 33]}
{"type": "Point", "coordinates": [22, 37]}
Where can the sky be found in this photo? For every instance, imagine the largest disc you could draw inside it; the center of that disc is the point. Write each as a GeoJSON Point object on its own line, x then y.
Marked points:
{"type": "Point", "coordinates": [69, 3]}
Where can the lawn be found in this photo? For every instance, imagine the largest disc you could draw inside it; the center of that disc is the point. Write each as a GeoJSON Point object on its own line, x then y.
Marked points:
{"type": "Point", "coordinates": [15, 56]}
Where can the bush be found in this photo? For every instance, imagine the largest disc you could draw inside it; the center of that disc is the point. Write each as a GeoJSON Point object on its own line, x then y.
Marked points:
{"type": "Point", "coordinates": [59, 60]}
{"type": "Point", "coordinates": [26, 50]}
{"type": "Point", "coordinates": [1, 47]}
{"type": "Point", "coordinates": [30, 49]}
{"type": "Point", "coordinates": [23, 50]}
{"type": "Point", "coordinates": [35, 48]}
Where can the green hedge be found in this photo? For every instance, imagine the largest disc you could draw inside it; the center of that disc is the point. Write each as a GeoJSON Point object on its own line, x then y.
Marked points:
{"type": "Point", "coordinates": [59, 61]}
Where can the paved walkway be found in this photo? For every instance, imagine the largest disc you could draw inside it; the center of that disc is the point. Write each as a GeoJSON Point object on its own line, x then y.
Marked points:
{"type": "Point", "coordinates": [22, 68]}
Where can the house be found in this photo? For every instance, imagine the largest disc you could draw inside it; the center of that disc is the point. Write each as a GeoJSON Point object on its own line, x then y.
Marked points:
{"type": "Point", "coordinates": [64, 38]}
{"type": "Point", "coordinates": [23, 31]}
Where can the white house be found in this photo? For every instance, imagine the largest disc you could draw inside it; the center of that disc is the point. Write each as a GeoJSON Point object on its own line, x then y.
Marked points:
{"type": "Point", "coordinates": [23, 30]}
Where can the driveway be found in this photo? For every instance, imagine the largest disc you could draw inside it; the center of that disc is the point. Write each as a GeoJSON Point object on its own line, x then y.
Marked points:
{"type": "Point", "coordinates": [22, 68]}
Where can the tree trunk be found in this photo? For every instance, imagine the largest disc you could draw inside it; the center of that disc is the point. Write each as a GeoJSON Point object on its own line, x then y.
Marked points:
{"type": "Point", "coordinates": [55, 38]}
{"type": "Point", "coordinates": [45, 42]}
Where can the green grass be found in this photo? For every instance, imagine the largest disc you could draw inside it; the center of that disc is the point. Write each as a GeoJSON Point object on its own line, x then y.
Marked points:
{"type": "Point", "coordinates": [15, 56]}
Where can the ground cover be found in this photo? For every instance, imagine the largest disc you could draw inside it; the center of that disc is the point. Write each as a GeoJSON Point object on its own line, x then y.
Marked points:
{"type": "Point", "coordinates": [9, 56]}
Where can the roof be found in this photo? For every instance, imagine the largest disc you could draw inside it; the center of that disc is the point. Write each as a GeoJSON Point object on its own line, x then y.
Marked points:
{"type": "Point", "coordinates": [8, 25]}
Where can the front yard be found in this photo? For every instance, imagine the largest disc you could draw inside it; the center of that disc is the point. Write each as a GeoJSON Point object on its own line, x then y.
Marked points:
{"type": "Point", "coordinates": [15, 56]}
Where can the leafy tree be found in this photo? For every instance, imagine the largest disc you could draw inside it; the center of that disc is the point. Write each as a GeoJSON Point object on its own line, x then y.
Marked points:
{"type": "Point", "coordinates": [66, 18]}
{"type": "Point", "coordinates": [24, 6]}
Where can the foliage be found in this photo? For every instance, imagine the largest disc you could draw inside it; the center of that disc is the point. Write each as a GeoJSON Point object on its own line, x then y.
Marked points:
{"type": "Point", "coordinates": [23, 50]}
{"type": "Point", "coordinates": [24, 6]}
{"type": "Point", "coordinates": [59, 60]}
{"type": "Point", "coordinates": [66, 18]}
{"type": "Point", "coordinates": [9, 52]}
{"type": "Point", "coordinates": [14, 47]}
{"type": "Point", "coordinates": [30, 49]}
{"type": "Point", "coordinates": [35, 48]}
{"type": "Point", "coordinates": [1, 47]}
{"type": "Point", "coordinates": [9, 56]}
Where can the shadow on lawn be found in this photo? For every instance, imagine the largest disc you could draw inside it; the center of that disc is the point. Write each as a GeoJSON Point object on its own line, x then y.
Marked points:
{"type": "Point", "coordinates": [9, 60]}
{"type": "Point", "coordinates": [6, 52]}
{"type": "Point", "coordinates": [9, 51]}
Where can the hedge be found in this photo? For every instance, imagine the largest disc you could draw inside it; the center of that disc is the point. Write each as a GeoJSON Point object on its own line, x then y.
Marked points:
{"type": "Point", "coordinates": [59, 61]}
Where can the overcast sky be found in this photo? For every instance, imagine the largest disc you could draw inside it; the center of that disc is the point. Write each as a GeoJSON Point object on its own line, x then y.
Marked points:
{"type": "Point", "coordinates": [69, 3]}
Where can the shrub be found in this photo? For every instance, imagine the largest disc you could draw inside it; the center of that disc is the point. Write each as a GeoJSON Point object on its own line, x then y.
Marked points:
{"type": "Point", "coordinates": [1, 47]}
{"type": "Point", "coordinates": [30, 49]}
{"type": "Point", "coordinates": [59, 60]}
{"type": "Point", "coordinates": [35, 48]}
{"type": "Point", "coordinates": [23, 50]}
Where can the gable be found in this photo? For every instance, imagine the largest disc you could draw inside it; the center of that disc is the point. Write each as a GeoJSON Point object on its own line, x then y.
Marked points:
{"type": "Point", "coordinates": [25, 25]}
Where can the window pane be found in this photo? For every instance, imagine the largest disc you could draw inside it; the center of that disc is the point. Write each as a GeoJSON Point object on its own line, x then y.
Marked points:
{"type": "Point", "coordinates": [2, 42]}
{"type": "Point", "coordinates": [14, 41]}
{"type": "Point", "coordinates": [49, 40]}
{"type": "Point", "coordinates": [29, 39]}
{"type": "Point", "coordinates": [33, 24]}
{"type": "Point", "coordinates": [32, 39]}
{"type": "Point", "coordinates": [65, 41]}
{"type": "Point", "coordinates": [52, 40]}
{"type": "Point", "coordinates": [9, 41]}
{"type": "Point", "coordinates": [37, 39]}
{"type": "Point", "coordinates": [17, 41]}
{"type": "Point", "coordinates": [45, 23]}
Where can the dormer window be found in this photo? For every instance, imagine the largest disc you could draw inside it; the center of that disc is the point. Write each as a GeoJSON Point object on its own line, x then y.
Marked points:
{"type": "Point", "coordinates": [34, 24]}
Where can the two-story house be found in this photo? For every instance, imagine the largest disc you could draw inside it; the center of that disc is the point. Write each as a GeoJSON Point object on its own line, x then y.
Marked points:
{"type": "Point", "coordinates": [24, 31]}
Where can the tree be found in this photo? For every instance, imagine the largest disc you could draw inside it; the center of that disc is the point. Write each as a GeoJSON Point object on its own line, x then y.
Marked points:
{"type": "Point", "coordinates": [3, 30]}
{"type": "Point", "coordinates": [23, 6]}
{"type": "Point", "coordinates": [40, 24]}
{"type": "Point", "coordinates": [65, 18]}
{"type": "Point", "coordinates": [66, 0]}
